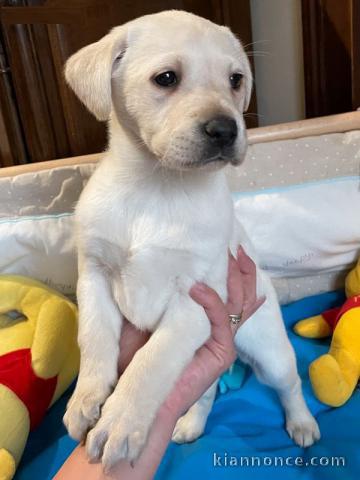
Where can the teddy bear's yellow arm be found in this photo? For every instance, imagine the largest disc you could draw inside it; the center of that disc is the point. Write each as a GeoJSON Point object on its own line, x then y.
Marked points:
{"type": "Point", "coordinates": [53, 338]}
{"type": "Point", "coordinates": [313, 327]}
{"type": "Point", "coordinates": [21, 293]}
{"type": "Point", "coordinates": [334, 376]}
{"type": "Point", "coordinates": [14, 431]}
{"type": "Point", "coordinates": [51, 317]}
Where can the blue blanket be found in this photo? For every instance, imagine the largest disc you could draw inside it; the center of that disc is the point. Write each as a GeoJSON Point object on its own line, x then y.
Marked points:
{"type": "Point", "coordinates": [245, 436]}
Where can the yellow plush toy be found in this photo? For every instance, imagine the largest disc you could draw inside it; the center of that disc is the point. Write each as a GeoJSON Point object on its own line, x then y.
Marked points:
{"type": "Point", "coordinates": [39, 359]}
{"type": "Point", "coordinates": [335, 375]}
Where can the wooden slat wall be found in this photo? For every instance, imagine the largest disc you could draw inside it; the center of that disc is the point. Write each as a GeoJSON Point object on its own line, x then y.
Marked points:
{"type": "Point", "coordinates": [331, 32]}
{"type": "Point", "coordinates": [12, 148]}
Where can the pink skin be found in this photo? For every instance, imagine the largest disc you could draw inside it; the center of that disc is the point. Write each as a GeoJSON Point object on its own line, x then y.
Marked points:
{"type": "Point", "coordinates": [209, 363]}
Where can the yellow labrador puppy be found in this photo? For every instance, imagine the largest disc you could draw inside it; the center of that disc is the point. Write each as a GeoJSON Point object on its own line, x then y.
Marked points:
{"type": "Point", "coordinates": [155, 218]}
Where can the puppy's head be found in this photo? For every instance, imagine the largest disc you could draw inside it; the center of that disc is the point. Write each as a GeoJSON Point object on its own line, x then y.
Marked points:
{"type": "Point", "coordinates": [178, 82]}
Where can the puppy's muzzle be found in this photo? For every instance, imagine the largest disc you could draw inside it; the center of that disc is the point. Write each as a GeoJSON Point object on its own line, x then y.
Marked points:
{"type": "Point", "coordinates": [221, 131]}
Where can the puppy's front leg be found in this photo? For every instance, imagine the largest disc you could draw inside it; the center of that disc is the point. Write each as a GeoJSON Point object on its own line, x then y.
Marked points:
{"type": "Point", "coordinates": [99, 331]}
{"type": "Point", "coordinates": [129, 412]}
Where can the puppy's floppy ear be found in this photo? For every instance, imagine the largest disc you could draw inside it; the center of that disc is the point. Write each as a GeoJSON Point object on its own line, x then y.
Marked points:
{"type": "Point", "coordinates": [88, 71]}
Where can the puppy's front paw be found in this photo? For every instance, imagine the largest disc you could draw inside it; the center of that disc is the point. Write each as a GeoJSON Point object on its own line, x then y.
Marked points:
{"type": "Point", "coordinates": [83, 409]}
{"type": "Point", "coordinates": [120, 433]}
{"type": "Point", "coordinates": [190, 426]}
{"type": "Point", "coordinates": [303, 431]}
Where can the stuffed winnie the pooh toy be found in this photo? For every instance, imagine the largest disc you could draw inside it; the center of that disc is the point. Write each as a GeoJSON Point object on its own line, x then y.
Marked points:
{"type": "Point", "coordinates": [335, 375]}
{"type": "Point", "coordinates": [39, 359]}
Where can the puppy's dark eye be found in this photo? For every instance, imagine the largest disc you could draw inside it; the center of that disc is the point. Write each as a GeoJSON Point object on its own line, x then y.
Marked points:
{"type": "Point", "coordinates": [166, 79]}
{"type": "Point", "coordinates": [235, 80]}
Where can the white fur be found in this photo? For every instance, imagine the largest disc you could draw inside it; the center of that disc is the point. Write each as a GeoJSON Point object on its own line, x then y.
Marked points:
{"type": "Point", "coordinates": [149, 226]}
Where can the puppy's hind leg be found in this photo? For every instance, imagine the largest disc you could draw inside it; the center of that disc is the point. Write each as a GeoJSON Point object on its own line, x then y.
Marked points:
{"type": "Point", "coordinates": [300, 424]}
{"type": "Point", "coordinates": [262, 341]}
{"type": "Point", "coordinates": [191, 425]}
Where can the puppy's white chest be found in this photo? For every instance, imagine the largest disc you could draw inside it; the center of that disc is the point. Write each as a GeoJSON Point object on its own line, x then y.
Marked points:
{"type": "Point", "coordinates": [159, 241]}
{"type": "Point", "coordinates": [164, 257]}
{"type": "Point", "coordinates": [171, 217]}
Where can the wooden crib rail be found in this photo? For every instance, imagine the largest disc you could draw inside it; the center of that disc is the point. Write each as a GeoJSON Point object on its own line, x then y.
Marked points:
{"type": "Point", "coordinates": [342, 122]}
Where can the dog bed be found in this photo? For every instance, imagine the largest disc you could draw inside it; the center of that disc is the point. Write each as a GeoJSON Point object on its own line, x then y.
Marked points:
{"type": "Point", "coordinates": [297, 195]}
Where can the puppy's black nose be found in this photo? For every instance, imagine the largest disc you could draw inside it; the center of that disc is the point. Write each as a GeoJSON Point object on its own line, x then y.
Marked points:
{"type": "Point", "coordinates": [221, 131]}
